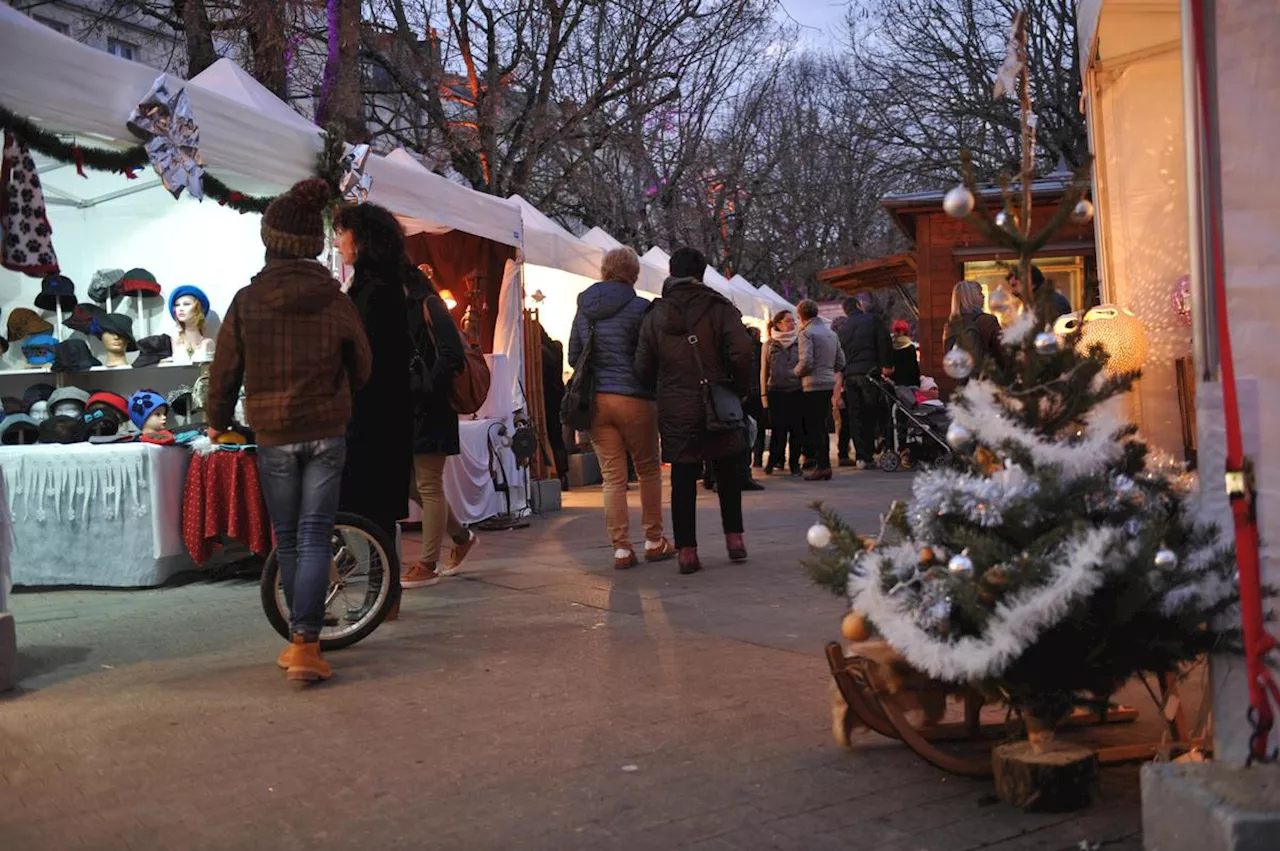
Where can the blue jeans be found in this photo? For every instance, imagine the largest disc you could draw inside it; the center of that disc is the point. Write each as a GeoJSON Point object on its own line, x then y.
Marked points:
{"type": "Point", "coordinates": [301, 484]}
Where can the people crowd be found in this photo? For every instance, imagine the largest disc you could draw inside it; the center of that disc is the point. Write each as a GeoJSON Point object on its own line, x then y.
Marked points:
{"type": "Point", "coordinates": [350, 393]}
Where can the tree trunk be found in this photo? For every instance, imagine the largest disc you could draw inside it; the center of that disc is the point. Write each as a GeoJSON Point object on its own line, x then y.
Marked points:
{"type": "Point", "coordinates": [269, 46]}
{"type": "Point", "coordinates": [341, 98]}
{"type": "Point", "coordinates": [1040, 777]}
{"type": "Point", "coordinates": [198, 34]}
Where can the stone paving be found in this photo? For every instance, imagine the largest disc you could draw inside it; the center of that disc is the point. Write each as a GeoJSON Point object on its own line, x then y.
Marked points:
{"type": "Point", "coordinates": [541, 700]}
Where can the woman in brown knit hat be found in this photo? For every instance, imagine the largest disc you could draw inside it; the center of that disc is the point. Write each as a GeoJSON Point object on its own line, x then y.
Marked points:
{"type": "Point", "coordinates": [297, 345]}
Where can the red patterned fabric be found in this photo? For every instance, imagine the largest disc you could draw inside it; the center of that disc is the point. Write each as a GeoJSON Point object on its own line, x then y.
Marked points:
{"type": "Point", "coordinates": [223, 498]}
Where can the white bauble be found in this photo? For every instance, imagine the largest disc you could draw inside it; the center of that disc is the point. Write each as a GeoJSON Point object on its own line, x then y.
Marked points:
{"type": "Point", "coordinates": [958, 363]}
{"type": "Point", "coordinates": [1166, 559]}
{"type": "Point", "coordinates": [1082, 212]}
{"type": "Point", "coordinates": [960, 564]}
{"type": "Point", "coordinates": [958, 202]}
{"type": "Point", "coordinates": [819, 536]}
{"type": "Point", "coordinates": [958, 437]}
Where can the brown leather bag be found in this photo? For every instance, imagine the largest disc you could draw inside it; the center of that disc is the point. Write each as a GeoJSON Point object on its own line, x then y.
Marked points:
{"type": "Point", "coordinates": [470, 387]}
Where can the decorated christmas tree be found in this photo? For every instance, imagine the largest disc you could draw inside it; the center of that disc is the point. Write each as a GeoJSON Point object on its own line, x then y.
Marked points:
{"type": "Point", "coordinates": [1052, 556]}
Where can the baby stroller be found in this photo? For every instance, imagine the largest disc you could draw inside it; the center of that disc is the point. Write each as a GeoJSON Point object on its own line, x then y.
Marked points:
{"type": "Point", "coordinates": [919, 428]}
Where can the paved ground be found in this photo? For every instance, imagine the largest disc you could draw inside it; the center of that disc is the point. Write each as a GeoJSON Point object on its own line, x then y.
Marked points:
{"type": "Point", "coordinates": [542, 701]}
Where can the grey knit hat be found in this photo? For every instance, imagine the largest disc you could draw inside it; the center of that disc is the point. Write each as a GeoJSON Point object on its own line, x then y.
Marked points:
{"type": "Point", "coordinates": [69, 394]}
{"type": "Point", "coordinates": [104, 283]}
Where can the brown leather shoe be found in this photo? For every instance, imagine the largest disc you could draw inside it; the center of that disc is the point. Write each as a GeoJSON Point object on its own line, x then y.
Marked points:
{"type": "Point", "coordinates": [736, 546]}
{"type": "Point", "coordinates": [818, 475]}
{"type": "Point", "coordinates": [688, 560]}
{"type": "Point", "coordinates": [285, 658]}
{"type": "Point", "coordinates": [624, 562]}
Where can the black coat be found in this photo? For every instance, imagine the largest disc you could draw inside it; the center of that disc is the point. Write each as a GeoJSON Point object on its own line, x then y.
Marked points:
{"type": "Point", "coordinates": [375, 481]}
{"type": "Point", "coordinates": [435, 423]}
{"type": "Point", "coordinates": [983, 329]}
{"type": "Point", "coordinates": [865, 340]}
{"type": "Point", "coordinates": [905, 361]}
{"type": "Point", "coordinates": [665, 363]}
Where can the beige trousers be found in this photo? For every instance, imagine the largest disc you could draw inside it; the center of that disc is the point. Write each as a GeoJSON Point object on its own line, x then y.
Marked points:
{"type": "Point", "coordinates": [427, 489]}
{"type": "Point", "coordinates": [622, 425]}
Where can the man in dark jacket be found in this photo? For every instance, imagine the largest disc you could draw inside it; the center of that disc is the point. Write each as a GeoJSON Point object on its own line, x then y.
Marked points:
{"type": "Point", "coordinates": [296, 344]}
{"type": "Point", "coordinates": [691, 335]}
{"type": "Point", "coordinates": [1059, 305]}
{"type": "Point", "coordinates": [865, 340]}
{"type": "Point", "coordinates": [626, 418]}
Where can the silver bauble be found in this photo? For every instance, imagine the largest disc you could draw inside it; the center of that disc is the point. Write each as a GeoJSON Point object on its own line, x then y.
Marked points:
{"type": "Point", "coordinates": [958, 202]}
{"type": "Point", "coordinates": [1082, 212]}
{"type": "Point", "coordinates": [1166, 559]}
{"type": "Point", "coordinates": [1004, 221]}
{"type": "Point", "coordinates": [1000, 301]}
{"type": "Point", "coordinates": [958, 437]}
{"type": "Point", "coordinates": [1046, 343]}
{"type": "Point", "coordinates": [819, 536]}
{"type": "Point", "coordinates": [938, 616]}
{"type": "Point", "coordinates": [961, 564]}
{"type": "Point", "coordinates": [958, 363]}
{"type": "Point", "coordinates": [1133, 528]}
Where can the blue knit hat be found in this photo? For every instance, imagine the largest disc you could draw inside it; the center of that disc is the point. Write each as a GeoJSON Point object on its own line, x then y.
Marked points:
{"type": "Point", "coordinates": [143, 404]}
{"type": "Point", "coordinates": [194, 292]}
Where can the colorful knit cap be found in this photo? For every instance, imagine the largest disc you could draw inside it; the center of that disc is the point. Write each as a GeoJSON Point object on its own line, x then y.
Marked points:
{"type": "Point", "coordinates": [293, 225]}
{"type": "Point", "coordinates": [143, 404]}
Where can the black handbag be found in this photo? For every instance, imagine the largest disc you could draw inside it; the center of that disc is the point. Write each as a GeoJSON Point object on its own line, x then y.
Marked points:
{"type": "Point", "coordinates": [578, 407]}
{"type": "Point", "coordinates": [723, 405]}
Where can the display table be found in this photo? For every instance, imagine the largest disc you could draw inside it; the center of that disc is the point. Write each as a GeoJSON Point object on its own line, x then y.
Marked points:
{"type": "Point", "coordinates": [223, 499]}
{"type": "Point", "coordinates": [106, 516]}
{"type": "Point", "coordinates": [468, 484]}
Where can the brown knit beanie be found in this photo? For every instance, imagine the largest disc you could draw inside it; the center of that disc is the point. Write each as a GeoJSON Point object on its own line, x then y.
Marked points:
{"type": "Point", "coordinates": [293, 225]}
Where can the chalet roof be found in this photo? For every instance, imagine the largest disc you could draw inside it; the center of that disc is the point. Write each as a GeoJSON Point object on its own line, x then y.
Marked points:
{"type": "Point", "coordinates": [879, 273]}
{"type": "Point", "coordinates": [902, 205]}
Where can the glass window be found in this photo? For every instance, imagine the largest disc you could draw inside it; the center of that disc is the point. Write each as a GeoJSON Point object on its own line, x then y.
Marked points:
{"type": "Point", "coordinates": [123, 49]}
{"type": "Point", "coordinates": [1066, 273]}
{"type": "Point", "coordinates": [56, 26]}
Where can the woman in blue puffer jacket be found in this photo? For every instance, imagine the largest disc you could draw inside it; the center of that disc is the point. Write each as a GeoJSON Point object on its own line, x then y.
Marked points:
{"type": "Point", "coordinates": [626, 418]}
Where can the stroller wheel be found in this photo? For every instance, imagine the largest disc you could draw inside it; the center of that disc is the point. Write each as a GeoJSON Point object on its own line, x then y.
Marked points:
{"type": "Point", "coordinates": [890, 461]}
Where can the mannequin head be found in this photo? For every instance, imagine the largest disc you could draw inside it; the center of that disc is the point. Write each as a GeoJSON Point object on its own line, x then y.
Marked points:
{"type": "Point", "coordinates": [39, 410]}
{"type": "Point", "coordinates": [65, 409]}
{"type": "Point", "coordinates": [157, 421]}
{"type": "Point", "coordinates": [189, 313]}
{"type": "Point", "coordinates": [115, 344]}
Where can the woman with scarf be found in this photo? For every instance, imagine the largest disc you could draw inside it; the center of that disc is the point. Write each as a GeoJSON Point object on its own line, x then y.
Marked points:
{"type": "Point", "coordinates": [380, 435]}
{"type": "Point", "coordinates": [782, 393]}
{"type": "Point", "coordinates": [905, 357]}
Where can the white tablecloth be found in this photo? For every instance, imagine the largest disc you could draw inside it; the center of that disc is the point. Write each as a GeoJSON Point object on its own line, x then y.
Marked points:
{"type": "Point", "coordinates": [95, 515]}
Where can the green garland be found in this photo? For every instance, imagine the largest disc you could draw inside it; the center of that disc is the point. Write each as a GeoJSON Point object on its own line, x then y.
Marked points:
{"type": "Point", "coordinates": [129, 160]}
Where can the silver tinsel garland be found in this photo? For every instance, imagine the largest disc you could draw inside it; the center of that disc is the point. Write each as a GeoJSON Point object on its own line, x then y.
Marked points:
{"type": "Point", "coordinates": [982, 500]}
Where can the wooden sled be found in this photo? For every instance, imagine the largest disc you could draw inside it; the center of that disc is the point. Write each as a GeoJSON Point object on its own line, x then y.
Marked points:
{"type": "Point", "coordinates": [889, 697]}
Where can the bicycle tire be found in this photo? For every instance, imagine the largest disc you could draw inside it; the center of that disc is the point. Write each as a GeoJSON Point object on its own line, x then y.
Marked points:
{"type": "Point", "coordinates": [273, 599]}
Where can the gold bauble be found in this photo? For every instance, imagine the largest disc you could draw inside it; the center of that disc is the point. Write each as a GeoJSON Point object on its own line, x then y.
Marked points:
{"type": "Point", "coordinates": [926, 555]}
{"type": "Point", "coordinates": [996, 576]}
{"type": "Point", "coordinates": [987, 461]}
{"type": "Point", "coordinates": [854, 627]}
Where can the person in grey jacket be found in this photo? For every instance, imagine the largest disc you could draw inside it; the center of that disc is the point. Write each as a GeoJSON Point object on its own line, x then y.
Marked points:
{"type": "Point", "coordinates": [626, 417]}
{"type": "Point", "coordinates": [783, 393]}
{"type": "Point", "coordinates": [820, 368]}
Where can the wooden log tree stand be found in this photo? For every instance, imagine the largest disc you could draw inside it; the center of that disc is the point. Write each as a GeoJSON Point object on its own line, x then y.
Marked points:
{"type": "Point", "coordinates": [1050, 777]}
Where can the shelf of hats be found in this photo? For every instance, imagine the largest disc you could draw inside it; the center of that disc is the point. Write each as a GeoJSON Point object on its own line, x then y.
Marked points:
{"type": "Point", "coordinates": [122, 247]}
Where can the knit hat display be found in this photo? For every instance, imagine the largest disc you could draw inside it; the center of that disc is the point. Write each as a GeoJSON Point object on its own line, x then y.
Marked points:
{"type": "Point", "coordinates": [36, 393]}
{"type": "Point", "coordinates": [108, 401]}
{"type": "Point", "coordinates": [64, 430]}
{"type": "Point", "coordinates": [18, 429]}
{"type": "Point", "coordinates": [56, 291]}
{"type": "Point", "coordinates": [180, 400]}
{"type": "Point", "coordinates": [154, 349]}
{"type": "Point", "coordinates": [194, 292]}
{"type": "Point", "coordinates": [104, 284]}
{"type": "Point", "coordinates": [39, 349]}
{"type": "Point", "coordinates": [143, 404]}
{"type": "Point", "coordinates": [12, 405]}
{"type": "Point", "coordinates": [121, 326]}
{"type": "Point", "coordinates": [69, 394]}
{"type": "Point", "coordinates": [84, 318]}
{"type": "Point", "coordinates": [139, 282]}
{"type": "Point", "coordinates": [24, 322]}
{"type": "Point", "coordinates": [103, 422]}
{"type": "Point", "coordinates": [74, 356]}
{"type": "Point", "coordinates": [293, 225]}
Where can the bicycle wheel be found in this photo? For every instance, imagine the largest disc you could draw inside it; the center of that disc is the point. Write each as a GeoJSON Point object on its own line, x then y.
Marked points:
{"type": "Point", "coordinates": [360, 586]}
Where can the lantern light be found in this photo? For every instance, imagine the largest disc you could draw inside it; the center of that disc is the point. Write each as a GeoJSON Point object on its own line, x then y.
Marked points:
{"type": "Point", "coordinates": [1120, 332]}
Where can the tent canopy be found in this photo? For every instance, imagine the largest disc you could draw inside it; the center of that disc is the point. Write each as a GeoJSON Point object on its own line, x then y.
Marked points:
{"type": "Point", "coordinates": [548, 244]}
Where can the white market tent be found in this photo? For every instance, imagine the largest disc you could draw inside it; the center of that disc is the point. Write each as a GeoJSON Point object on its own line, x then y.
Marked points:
{"type": "Point", "coordinates": [755, 311]}
{"type": "Point", "coordinates": [652, 275]}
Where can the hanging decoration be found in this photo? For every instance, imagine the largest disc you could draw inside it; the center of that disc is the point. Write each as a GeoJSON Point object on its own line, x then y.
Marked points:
{"type": "Point", "coordinates": [1180, 297]}
{"type": "Point", "coordinates": [24, 226]}
{"type": "Point", "coordinates": [166, 124]}
{"type": "Point", "coordinates": [127, 161]}
{"type": "Point", "coordinates": [355, 184]}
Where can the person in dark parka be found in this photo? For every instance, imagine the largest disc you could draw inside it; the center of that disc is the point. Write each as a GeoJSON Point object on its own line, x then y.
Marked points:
{"type": "Point", "coordinates": [665, 361]}
{"type": "Point", "coordinates": [380, 435]}
{"type": "Point", "coordinates": [865, 340]}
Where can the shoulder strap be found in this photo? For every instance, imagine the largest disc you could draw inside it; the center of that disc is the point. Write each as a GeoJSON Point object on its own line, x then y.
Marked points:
{"type": "Point", "coordinates": [697, 358]}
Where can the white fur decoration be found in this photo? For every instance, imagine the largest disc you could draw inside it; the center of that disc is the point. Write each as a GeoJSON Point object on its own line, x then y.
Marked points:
{"type": "Point", "coordinates": [1014, 625]}
{"type": "Point", "coordinates": [1096, 449]}
{"type": "Point", "coordinates": [1020, 329]}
